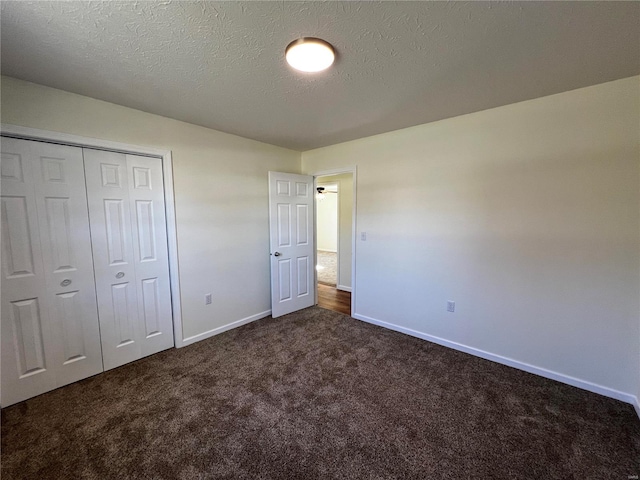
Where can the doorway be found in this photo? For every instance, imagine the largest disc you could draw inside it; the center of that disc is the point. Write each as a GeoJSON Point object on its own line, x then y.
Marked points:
{"type": "Point", "coordinates": [334, 241]}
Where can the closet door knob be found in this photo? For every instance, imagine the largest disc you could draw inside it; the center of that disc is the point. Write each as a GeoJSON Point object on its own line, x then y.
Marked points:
{"type": "Point", "coordinates": [65, 283]}
{"type": "Point", "coordinates": [277, 254]}
{"type": "Point", "coordinates": [119, 274]}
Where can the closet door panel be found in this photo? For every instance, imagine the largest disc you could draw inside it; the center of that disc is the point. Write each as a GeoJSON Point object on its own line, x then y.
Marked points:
{"type": "Point", "coordinates": [113, 256]}
{"type": "Point", "coordinates": [150, 252]}
{"type": "Point", "coordinates": [28, 340]}
{"type": "Point", "coordinates": [66, 248]}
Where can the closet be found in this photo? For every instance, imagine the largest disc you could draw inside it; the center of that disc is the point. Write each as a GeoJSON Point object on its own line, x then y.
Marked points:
{"type": "Point", "coordinates": [85, 274]}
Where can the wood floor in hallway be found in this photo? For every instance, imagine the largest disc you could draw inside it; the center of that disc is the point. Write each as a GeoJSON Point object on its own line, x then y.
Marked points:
{"type": "Point", "coordinates": [333, 299]}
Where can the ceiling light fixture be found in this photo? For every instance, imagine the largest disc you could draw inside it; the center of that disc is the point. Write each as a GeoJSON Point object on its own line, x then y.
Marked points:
{"type": "Point", "coordinates": [310, 54]}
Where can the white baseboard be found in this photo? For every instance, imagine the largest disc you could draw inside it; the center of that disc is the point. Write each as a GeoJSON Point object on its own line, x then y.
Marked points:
{"type": "Point", "coordinates": [224, 328]}
{"type": "Point", "coordinates": [343, 288]}
{"type": "Point", "coordinates": [327, 251]}
{"type": "Point", "coordinates": [543, 372]}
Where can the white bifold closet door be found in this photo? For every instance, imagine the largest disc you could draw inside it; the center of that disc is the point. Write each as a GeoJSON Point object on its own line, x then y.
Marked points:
{"type": "Point", "coordinates": [129, 237]}
{"type": "Point", "coordinates": [85, 272]}
{"type": "Point", "coordinates": [49, 328]}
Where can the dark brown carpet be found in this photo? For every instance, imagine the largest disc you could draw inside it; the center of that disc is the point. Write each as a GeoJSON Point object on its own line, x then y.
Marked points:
{"type": "Point", "coordinates": [317, 394]}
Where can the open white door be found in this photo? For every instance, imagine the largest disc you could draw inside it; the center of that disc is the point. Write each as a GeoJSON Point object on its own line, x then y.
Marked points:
{"type": "Point", "coordinates": [291, 235]}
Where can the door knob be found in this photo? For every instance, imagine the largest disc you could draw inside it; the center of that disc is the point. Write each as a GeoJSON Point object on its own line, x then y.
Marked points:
{"type": "Point", "coordinates": [277, 254]}
{"type": "Point", "coordinates": [65, 283]}
{"type": "Point", "coordinates": [119, 274]}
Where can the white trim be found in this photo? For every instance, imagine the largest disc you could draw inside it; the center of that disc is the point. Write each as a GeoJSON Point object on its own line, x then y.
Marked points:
{"type": "Point", "coordinates": [338, 228]}
{"type": "Point", "coordinates": [28, 133]}
{"type": "Point", "coordinates": [315, 242]}
{"type": "Point", "coordinates": [337, 171]}
{"type": "Point", "coordinates": [172, 244]}
{"type": "Point", "coordinates": [333, 171]}
{"type": "Point", "coordinates": [224, 328]}
{"type": "Point", "coordinates": [636, 405]}
{"type": "Point", "coordinates": [343, 288]}
{"type": "Point", "coordinates": [543, 372]}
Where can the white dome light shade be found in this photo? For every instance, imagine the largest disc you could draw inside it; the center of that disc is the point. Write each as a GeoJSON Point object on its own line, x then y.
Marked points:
{"type": "Point", "coordinates": [310, 54]}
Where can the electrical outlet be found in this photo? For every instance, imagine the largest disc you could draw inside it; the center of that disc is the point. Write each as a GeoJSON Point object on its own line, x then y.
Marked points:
{"type": "Point", "coordinates": [207, 299]}
{"type": "Point", "coordinates": [451, 306]}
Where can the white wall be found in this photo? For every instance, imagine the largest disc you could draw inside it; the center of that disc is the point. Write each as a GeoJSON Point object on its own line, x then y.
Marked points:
{"type": "Point", "coordinates": [345, 218]}
{"type": "Point", "coordinates": [221, 195]}
{"type": "Point", "coordinates": [527, 216]}
{"type": "Point", "coordinates": [327, 222]}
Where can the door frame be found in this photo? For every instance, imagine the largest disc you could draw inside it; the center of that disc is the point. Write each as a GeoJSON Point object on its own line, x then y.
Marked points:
{"type": "Point", "coordinates": [28, 133]}
{"type": "Point", "coordinates": [324, 173]}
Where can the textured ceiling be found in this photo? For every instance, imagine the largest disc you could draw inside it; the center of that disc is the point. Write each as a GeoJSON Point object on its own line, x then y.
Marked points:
{"type": "Point", "coordinates": [221, 64]}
